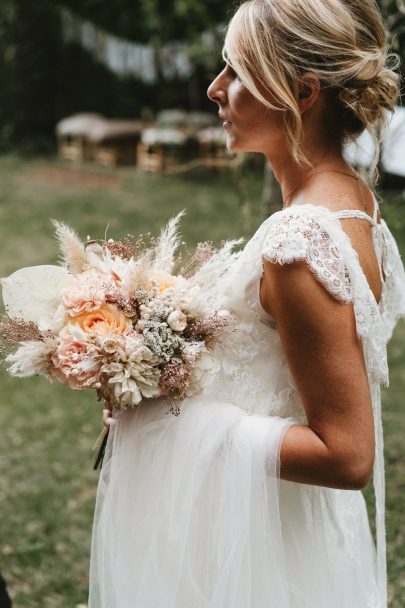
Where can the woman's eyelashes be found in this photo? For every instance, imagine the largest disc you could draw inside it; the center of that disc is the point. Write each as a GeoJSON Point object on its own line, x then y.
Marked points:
{"type": "Point", "coordinates": [232, 72]}
{"type": "Point", "coordinates": [236, 77]}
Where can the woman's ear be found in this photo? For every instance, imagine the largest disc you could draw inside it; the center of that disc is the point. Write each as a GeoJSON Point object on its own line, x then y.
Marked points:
{"type": "Point", "coordinates": [309, 89]}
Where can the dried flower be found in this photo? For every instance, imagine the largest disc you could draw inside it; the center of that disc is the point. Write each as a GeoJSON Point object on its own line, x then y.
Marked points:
{"type": "Point", "coordinates": [203, 252]}
{"type": "Point", "coordinates": [174, 378]}
{"type": "Point", "coordinates": [124, 249]}
{"type": "Point", "coordinates": [33, 358]}
{"type": "Point", "coordinates": [161, 340]}
{"type": "Point", "coordinates": [110, 346]}
{"type": "Point", "coordinates": [18, 330]}
{"type": "Point", "coordinates": [208, 329]}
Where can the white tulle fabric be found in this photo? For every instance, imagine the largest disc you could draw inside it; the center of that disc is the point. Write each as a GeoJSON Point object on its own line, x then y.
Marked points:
{"type": "Point", "coordinates": [191, 512]}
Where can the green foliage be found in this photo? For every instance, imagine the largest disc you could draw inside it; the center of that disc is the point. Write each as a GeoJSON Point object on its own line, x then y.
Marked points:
{"type": "Point", "coordinates": [158, 20]}
{"type": "Point", "coordinates": [48, 79]}
{"type": "Point", "coordinates": [394, 15]}
{"type": "Point", "coordinates": [30, 42]}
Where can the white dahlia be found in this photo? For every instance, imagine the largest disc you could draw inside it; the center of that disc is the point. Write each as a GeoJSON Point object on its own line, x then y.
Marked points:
{"type": "Point", "coordinates": [133, 371]}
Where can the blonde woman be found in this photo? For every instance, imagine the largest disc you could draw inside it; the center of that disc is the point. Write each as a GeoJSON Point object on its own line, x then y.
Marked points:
{"type": "Point", "coordinates": [251, 498]}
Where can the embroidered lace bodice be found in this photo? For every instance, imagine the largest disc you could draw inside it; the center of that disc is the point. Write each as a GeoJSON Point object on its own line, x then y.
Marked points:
{"type": "Point", "coordinates": [252, 356]}
{"type": "Point", "coordinates": [255, 374]}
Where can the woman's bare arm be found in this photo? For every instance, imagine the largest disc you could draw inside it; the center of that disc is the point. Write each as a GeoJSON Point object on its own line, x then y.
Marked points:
{"type": "Point", "coordinates": [325, 356]}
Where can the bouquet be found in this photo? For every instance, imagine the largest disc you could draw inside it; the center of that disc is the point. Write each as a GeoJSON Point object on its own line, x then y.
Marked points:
{"type": "Point", "coordinates": [128, 319]}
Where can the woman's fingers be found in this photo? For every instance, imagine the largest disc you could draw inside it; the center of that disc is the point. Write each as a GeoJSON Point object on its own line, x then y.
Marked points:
{"type": "Point", "coordinates": [107, 418]}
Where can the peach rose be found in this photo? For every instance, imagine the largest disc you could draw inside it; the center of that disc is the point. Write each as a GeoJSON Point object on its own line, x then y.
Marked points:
{"type": "Point", "coordinates": [106, 320]}
{"type": "Point", "coordinates": [163, 280]}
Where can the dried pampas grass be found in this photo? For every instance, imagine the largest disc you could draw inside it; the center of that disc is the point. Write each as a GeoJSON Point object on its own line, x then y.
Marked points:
{"type": "Point", "coordinates": [210, 273]}
{"type": "Point", "coordinates": [167, 244]}
{"type": "Point", "coordinates": [72, 250]}
{"type": "Point", "coordinates": [32, 358]}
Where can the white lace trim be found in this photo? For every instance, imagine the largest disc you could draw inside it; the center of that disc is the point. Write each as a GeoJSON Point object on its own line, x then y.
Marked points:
{"type": "Point", "coordinates": [393, 296]}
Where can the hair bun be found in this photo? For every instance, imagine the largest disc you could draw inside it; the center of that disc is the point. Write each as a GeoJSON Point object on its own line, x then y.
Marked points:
{"type": "Point", "coordinates": [368, 100]}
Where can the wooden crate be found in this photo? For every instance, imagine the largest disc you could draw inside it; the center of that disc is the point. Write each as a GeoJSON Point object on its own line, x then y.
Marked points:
{"type": "Point", "coordinates": [74, 147]}
{"type": "Point", "coordinates": [216, 156]}
{"type": "Point", "coordinates": [150, 157]}
{"type": "Point", "coordinates": [113, 154]}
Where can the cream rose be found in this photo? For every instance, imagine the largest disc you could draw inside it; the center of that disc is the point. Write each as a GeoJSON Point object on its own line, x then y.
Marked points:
{"type": "Point", "coordinates": [177, 320]}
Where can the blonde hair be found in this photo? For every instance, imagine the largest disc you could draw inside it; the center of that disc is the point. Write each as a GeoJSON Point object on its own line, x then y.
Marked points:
{"type": "Point", "coordinates": [272, 43]}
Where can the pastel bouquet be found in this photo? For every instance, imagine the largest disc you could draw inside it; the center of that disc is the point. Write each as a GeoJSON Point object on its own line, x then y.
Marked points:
{"type": "Point", "coordinates": [128, 319]}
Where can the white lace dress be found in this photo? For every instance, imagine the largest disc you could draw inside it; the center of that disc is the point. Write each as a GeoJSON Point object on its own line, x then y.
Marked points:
{"type": "Point", "coordinates": [191, 512]}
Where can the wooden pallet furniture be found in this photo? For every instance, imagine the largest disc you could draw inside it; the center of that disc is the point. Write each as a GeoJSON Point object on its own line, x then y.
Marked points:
{"type": "Point", "coordinates": [72, 135]}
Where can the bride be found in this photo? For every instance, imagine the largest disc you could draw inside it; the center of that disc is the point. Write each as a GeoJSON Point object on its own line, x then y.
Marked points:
{"type": "Point", "coordinates": [251, 497]}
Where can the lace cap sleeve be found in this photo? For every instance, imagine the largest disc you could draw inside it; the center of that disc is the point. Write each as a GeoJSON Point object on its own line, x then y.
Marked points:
{"type": "Point", "coordinates": [315, 235]}
{"type": "Point", "coordinates": [309, 234]}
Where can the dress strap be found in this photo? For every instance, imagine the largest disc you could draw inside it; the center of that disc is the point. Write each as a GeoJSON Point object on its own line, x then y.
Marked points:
{"type": "Point", "coordinates": [356, 213]}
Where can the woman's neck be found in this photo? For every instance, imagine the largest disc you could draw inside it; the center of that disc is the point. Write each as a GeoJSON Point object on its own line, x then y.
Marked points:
{"type": "Point", "coordinates": [321, 156]}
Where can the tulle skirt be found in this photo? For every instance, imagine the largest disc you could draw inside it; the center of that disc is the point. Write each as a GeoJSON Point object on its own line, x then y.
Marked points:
{"type": "Point", "coordinates": [191, 513]}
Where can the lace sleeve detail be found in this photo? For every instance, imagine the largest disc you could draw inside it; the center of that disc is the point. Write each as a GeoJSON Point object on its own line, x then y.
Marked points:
{"type": "Point", "coordinates": [315, 235]}
{"type": "Point", "coordinates": [296, 235]}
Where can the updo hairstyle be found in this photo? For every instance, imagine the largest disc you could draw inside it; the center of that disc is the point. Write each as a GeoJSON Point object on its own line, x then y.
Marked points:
{"type": "Point", "coordinates": [272, 43]}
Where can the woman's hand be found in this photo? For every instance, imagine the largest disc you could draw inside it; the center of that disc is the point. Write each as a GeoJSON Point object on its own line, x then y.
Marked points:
{"type": "Point", "coordinates": [107, 418]}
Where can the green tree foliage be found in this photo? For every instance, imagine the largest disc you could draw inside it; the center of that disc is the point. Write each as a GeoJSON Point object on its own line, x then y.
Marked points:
{"type": "Point", "coordinates": [164, 20]}
{"type": "Point", "coordinates": [43, 79]}
{"type": "Point", "coordinates": [394, 15]}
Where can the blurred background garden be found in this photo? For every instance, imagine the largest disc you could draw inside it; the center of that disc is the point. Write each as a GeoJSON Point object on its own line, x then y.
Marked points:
{"type": "Point", "coordinates": [105, 125]}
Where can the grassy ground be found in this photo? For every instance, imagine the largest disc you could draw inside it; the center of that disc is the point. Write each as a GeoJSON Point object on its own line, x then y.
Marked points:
{"type": "Point", "coordinates": [47, 486]}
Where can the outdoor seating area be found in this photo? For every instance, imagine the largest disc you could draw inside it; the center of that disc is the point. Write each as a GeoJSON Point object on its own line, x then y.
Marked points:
{"type": "Point", "coordinates": [175, 141]}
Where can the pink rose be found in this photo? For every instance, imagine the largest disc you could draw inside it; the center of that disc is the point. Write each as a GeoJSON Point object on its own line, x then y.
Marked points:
{"type": "Point", "coordinates": [85, 292]}
{"type": "Point", "coordinates": [76, 364]}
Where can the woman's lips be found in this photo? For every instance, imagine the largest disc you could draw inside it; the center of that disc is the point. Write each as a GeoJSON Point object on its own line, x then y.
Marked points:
{"type": "Point", "coordinates": [227, 124]}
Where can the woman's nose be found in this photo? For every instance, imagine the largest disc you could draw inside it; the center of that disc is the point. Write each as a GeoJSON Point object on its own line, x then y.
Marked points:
{"type": "Point", "coordinates": [217, 91]}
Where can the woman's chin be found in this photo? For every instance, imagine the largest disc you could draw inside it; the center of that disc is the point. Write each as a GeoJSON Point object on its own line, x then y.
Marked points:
{"type": "Point", "coordinates": [238, 144]}
{"type": "Point", "coordinates": [233, 145]}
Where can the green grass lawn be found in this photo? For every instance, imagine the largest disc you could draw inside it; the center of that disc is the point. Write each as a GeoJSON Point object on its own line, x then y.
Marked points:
{"type": "Point", "coordinates": [47, 485]}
